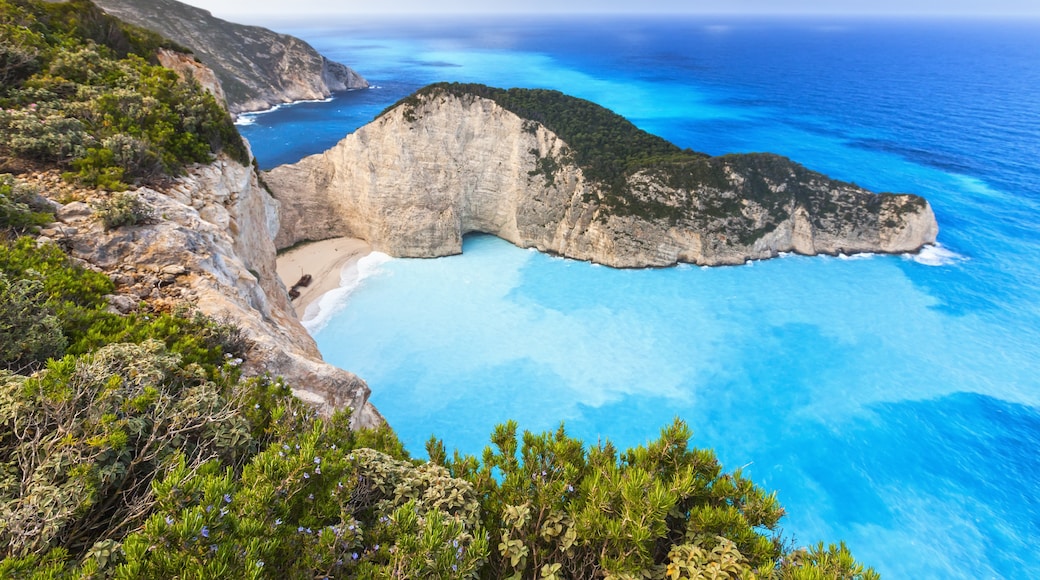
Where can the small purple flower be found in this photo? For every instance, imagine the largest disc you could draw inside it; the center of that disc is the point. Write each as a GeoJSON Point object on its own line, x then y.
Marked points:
{"type": "Point", "coordinates": [317, 460]}
{"type": "Point", "coordinates": [310, 496]}
{"type": "Point", "coordinates": [278, 521]}
{"type": "Point", "coordinates": [205, 532]}
{"type": "Point", "coordinates": [213, 548]}
{"type": "Point", "coordinates": [354, 556]}
{"type": "Point", "coordinates": [317, 471]}
{"type": "Point", "coordinates": [300, 529]}
{"type": "Point", "coordinates": [169, 521]}
{"type": "Point", "coordinates": [223, 512]}
{"type": "Point", "coordinates": [570, 487]}
{"type": "Point", "coordinates": [306, 475]}
{"type": "Point", "coordinates": [209, 508]}
{"type": "Point", "coordinates": [227, 498]}
{"type": "Point", "coordinates": [259, 563]}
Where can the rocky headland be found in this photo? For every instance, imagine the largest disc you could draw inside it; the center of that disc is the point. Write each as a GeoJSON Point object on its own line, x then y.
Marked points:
{"type": "Point", "coordinates": [543, 170]}
{"type": "Point", "coordinates": [257, 68]}
{"type": "Point", "coordinates": [209, 245]}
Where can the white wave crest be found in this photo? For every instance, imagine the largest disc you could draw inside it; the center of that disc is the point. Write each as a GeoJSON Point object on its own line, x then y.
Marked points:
{"type": "Point", "coordinates": [249, 118]}
{"type": "Point", "coordinates": [859, 256]}
{"type": "Point", "coordinates": [935, 255]}
{"type": "Point", "coordinates": [330, 304]}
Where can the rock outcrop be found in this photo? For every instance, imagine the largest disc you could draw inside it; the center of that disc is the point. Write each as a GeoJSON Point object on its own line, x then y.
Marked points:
{"type": "Point", "coordinates": [210, 245]}
{"type": "Point", "coordinates": [442, 164]}
{"type": "Point", "coordinates": [258, 68]}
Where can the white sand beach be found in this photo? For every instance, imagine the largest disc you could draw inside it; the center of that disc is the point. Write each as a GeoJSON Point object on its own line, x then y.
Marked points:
{"type": "Point", "coordinates": [324, 261]}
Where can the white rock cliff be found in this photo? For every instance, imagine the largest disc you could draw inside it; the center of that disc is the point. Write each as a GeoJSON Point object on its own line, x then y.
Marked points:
{"type": "Point", "coordinates": [429, 171]}
{"type": "Point", "coordinates": [210, 245]}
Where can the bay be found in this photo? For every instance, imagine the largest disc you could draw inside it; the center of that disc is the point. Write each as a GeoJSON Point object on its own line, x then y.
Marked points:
{"type": "Point", "coordinates": [893, 402]}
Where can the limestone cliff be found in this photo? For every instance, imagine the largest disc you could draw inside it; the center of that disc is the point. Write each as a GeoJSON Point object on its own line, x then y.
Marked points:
{"type": "Point", "coordinates": [210, 245]}
{"type": "Point", "coordinates": [443, 163]}
{"type": "Point", "coordinates": [257, 68]}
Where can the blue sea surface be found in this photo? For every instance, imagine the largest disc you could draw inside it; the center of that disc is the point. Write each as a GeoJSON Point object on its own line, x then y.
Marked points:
{"type": "Point", "coordinates": [892, 401]}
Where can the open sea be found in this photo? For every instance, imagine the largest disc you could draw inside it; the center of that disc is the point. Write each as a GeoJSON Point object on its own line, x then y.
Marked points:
{"type": "Point", "coordinates": [891, 401]}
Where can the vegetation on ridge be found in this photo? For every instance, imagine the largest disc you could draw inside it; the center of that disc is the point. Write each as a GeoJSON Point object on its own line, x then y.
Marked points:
{"type": "Point", "coordinates": [83, 91]}
{"type": "Point", "coordinates": [613, 153]}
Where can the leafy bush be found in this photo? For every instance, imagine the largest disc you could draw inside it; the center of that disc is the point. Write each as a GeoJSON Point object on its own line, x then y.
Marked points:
{"type": "Point", "coordinates": [29, 331]}
{"type": "Point", "coordinates": [87, 436]}
{"type": "Point", "coordinates": [561, 510]}
{"type": "Point", "coordinates": [86, 92]}
{"type": "Point", "coordinates": [144, 434]}
{"type": "Point", "coordinates": [19, 212]}
{"type": "Point", "coordinates": [123, 209]}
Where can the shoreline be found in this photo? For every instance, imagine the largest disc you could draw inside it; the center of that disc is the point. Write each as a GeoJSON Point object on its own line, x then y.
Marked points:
{"type": "Point", "coordinates": [239, 120]}
{"type": "Point", "coordinates": [324, 261]}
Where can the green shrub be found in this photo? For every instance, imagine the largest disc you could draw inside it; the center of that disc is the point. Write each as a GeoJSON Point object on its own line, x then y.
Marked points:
{"type": "Point", "coordinates": [30, 333]}
{"type": "Point", "coordinates": [86, 92]}
{"type": "Point", "coordinates": [17, 212]}
{"type": "Point", "coordinates": [123, 209]}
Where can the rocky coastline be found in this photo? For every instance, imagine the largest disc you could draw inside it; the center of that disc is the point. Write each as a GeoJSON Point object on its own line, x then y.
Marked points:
{"type": "Point", "coordinates": [257, 68]}
{"type": "Point", "coordinates": [417, 179]}
{"type": "Point", "coordinates": [208, 245]}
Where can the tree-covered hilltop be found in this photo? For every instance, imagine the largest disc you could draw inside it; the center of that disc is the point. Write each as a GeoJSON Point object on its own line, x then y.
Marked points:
{"type": "Point", "coordinates": [82, 91]}
{"type": "Point", "coordinates": [610, 150]}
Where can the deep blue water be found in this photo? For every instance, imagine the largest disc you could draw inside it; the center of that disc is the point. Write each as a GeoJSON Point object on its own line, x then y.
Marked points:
{"type": "Point", "coordinates": [893, 402]}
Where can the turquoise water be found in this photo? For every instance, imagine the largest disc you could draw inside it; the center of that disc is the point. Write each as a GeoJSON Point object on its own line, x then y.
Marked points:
{"type": "Point", "coordinates": [892, 401]}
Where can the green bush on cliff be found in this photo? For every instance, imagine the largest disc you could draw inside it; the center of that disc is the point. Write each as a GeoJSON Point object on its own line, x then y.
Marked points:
{"type": "Point", "coordinates": [19, 211]}
{"type": "Point", "coordinates": [84, 91]}
{"type": "Point", "coordinates": [76, 296]}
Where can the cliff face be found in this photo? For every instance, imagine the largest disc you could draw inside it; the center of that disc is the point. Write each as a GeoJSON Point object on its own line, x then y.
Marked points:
{"type": "Point", "coordinates": [258, 68]}
{"type": "Point", "coordinates": [425, 173]}
{"type": "Point", "coordinates": [211, 246]}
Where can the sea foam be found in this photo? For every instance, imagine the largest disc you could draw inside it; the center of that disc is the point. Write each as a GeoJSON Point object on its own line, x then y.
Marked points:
{"type": "Point", "coordinates": [936, 255]}
{"type": "Point", "coordinates": [319, 312]}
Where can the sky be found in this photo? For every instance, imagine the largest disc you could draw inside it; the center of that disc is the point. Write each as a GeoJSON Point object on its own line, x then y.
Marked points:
{"type": "Point", "coordinates": [300, 8]}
